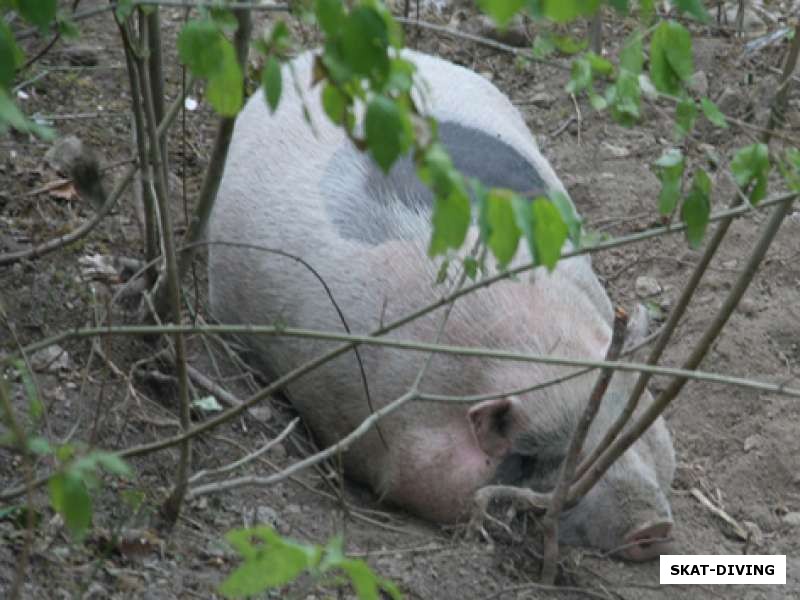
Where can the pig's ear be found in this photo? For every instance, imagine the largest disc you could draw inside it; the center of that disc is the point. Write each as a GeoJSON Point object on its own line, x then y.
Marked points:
{"type": "Point", "coordinates": [490, 422]}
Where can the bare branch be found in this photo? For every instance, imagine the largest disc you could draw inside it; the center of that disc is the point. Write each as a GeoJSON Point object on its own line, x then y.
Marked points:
{"type": "Point", "coordinates": [567, 469]}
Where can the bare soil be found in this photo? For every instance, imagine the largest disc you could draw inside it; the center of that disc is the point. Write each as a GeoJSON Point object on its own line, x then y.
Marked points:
{"type": "Point", "coordinates": [738, 448]}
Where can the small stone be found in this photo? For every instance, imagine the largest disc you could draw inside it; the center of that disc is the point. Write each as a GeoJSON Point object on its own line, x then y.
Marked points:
{"type": "Point", "coordinates": [261, 413]}
{"type": "Point", "coordinates": [747, 307]}
{"type": "Point", "coordinates": [53, 358]}
{"type": "Point", "coordinates": [487, 75]}
{"type": "Point", "coordinates": [752, 441]}
{"type": "Point", "coordinates": [266, 515]}
{"type": "Point", "coordinates": [730, 264]}
{"type": "Point", "coordinates": [277, 452]}
{"type": "Point", "coordinates": [698, 83]}
{"type": "Point", "coordinates": [616, 151]}
{"type": "Point", "coordinates": [647, 286]}
{"type": "Point", "coordinates": [792, 519]}
{"type": "Point", "coordinates": [730, 101]}
{"type": "Point", "coordinates": [543, 100]}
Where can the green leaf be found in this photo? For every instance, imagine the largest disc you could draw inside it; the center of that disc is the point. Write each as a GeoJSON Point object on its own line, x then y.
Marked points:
{"type": "Point", "coordinates": [124, 9]}
{"type": "Point", "coordinates": [502, 232]}
{"type": "Point", "coordinates": [713, 113]}
{"type": "Point", "coordinates": [570, 217]}
{"type": "Point", "coordinates": [364, 43]}
{"type": "Point", "coordinates": [39, 445]}
{"type": "Point", "coordinates": [543, 45]}
{"type": "Point", "coordinates": [751, 165]}
{"type": "Point", "coordinates": [626, 98]}
{"type": "Point", "coordinates": [451, 218]}
{"type": "Point", "coordinates": [670, 57]}
{"type": "Point", "coordinates": [334, 103]}
{"type": "Point", "coordinates": [501, 11]}
{"type": "Point", "coordinates": [564, 11]}
{"type": "Point", "coordinates": [38, 12]}
{"type": "Point", "coordinates": [696, 208]}
{"type": "Point", "coordinates": [580, 77]}
{"type": "Point", "coordinates": [694, 8]}
{"type": "Point", "coordinates": [199, 47]}
{"type": "Point", "coordinates": [70, 498]}
{"type": "Point", "coordinates": [544, 229]}
{"type": "Point", "coordinates": [272, 82]}
{"type": "Point", "coordinates": [112, 463]}
{"type": "Point", "coordinates": [631, 57]}
{"type": "Point", "coordinates": [566, 44]}
{"type": "Point", "coordinates": [401, 76]}
{"type": "Point", "coordinates": [671, 165]}
{"type": "Point", "coordinates": [549, 232]}
{"type": "Point", "coordinates": [330, 15]}
{"type": "Point", "coordinates": [599, 64]}
{"type": "Point", "coordinates": [272, 562]}
{"type": "Point", "coordinates": [10, 55]}
{"type": "Point", "coordinates": [386, 130]}
{"type": "Point", "coordinates": [363, 579]}
{"type": "Point", "coordinates": [224, 18]}
{"type": "Point", "coordinates": [207, 53]}
{"type": "Point", "coordinates": [685, 116]}
{"type": "Point", "coordinates": [67, 28]}
{"type": "Point", "coordinates": [597, 101]}
{"type": "Point", "coordinates": [225, 88]}
{"type": "Point", "coordinates": [620, 5]}
{"type": "Point", "coordinates": [471, 267]}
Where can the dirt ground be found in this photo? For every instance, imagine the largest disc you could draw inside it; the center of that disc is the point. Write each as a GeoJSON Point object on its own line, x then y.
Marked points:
{"type": "Point", "coordinates": [738, 448]}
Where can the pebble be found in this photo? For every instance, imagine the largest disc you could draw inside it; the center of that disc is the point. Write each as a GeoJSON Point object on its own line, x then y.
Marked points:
{"type": "Point", "coordinates": [647, 286]}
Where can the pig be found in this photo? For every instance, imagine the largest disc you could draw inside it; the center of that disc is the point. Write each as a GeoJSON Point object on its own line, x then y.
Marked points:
{"type": "Point", "coordinates": [310, 193]}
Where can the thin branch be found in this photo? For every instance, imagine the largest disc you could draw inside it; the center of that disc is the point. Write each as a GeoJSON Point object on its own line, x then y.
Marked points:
{"type": "Point", "coordinates": [478, 39]}
{"type": "Point", "coordinates": [690, 287]}
{"type": "Point", "coordinates": [216, 164]}
{"type": "Point", "coordinates": [104, 8]}
{"type": "Point", "coordinates": [108, 205]}
{"type": "Point", "coordinates": [171, 507]}
{"type": "Point", "coordinates": [249, 458]}
{"type": "Point", "coordinates": [77, 233]}
{"type": "Point", "coordinates": [623, 442]}
{"type": "Point", "coordinates": [411, 345]}
{"type": "Point", "coordinates": [340, 446]}
{"type": "Point", "coordinates": [567, 469]}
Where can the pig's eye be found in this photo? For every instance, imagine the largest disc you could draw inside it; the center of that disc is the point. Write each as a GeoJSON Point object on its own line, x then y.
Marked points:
{"type": "Point", "coordinates": [515, 469]}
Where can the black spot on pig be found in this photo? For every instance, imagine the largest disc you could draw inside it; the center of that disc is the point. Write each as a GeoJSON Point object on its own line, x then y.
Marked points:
{"type": "Point", "coordinates": [361, 200]}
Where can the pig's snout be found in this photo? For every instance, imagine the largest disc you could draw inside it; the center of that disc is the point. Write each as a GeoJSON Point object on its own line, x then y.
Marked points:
{"type": "Point", "coordinates": [647, 542]}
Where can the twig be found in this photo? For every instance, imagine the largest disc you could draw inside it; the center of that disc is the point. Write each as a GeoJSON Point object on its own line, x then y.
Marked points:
{"type": "Point", "coordinates": [107, 206]}
{"type": "Point", "coordinates": [171, 507]}
{"type": "Point", "coordinates": [96, 10]}
{"type": "Point", "coordinates": [688, 290]}
{"type": "Point", "coordinates": [567, 469]}
{"type": "Point", "coordinates": [317, 458]}
{"type": "Point", "coordinates": [484, 41]}
{"type": "Point", "coordinates": [740, 531]}
{"type": "Point", "coordinates": [246, 459]}
{"type": "Point", "coordinates": [216, 165]}
{"type": "Point", "coordinates": [76, 234]}
{"type": "Point", "coordinates": [622, 443]}
{"type": "Point", "coordinates": [411, 345]}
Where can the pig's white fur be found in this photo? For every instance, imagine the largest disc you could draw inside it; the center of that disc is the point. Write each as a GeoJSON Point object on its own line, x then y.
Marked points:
{"type": "Point", "coordinates": [271, 194]}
